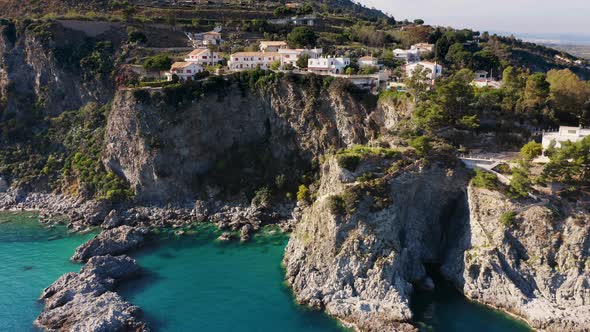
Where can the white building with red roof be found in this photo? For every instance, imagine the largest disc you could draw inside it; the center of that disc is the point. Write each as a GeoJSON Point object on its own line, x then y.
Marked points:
{"type": "Point", "coordinates": [184, 70]}
{"type": "Point", "coordinates": [252, 60]}
{"type": "Point", "coordinates": [204, 57]}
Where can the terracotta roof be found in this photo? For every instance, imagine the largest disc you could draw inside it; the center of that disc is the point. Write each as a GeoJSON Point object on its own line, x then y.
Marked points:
{"type": "Point", "coordinates": [367, 58]}
{"type": "Point", "coordinates": [177, 65]}
{"type": "Point", "coordinates": [212, 33]}
{"type": "Point", "coordinates": [198, 51]}
{"type": "Point", "coordinates": [261, 54]}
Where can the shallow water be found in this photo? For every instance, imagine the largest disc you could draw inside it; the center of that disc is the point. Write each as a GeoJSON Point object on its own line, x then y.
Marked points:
{"type": "Point", "coordinates": [32, 257]}
{"type": "Point", "coordinates": [197, 283]}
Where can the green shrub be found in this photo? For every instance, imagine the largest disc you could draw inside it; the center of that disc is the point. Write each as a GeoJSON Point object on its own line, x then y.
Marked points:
{"type": "Point", "coordinates": [421, 144]}
{"type": "Point", "coordinates": [507, 218]}
{"type": "Point", "coordinates": [483, 179]}
{"type": "Point", "coordinates": [303, 193]}
{"type": "Point", "coordinates": [531, 150]}
{"type": "Point", "coordinates": [158, 62]}
{"type": "Point", "coordinates": [262, 197]}
{"type": "Point", "coordinates": [336, 205]}
{"type": "Point", "coordinates": [366, 177]}
{"type": "Point", "coordinates": [520, 184]}
{"type": "Point", "coordinates": [349, 161]}
{"type": "Point", "coordinates": [350, 158]}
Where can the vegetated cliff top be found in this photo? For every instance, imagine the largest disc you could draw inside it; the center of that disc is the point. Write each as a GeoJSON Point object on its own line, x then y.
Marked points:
{"type": "Point", "coordinates": [15, 8]}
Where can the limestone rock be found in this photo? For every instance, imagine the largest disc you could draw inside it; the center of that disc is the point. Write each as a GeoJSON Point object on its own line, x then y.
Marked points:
{"type": "Point", "coordinates": [360, 266]}
{"type": "Point", "coordinates": [115, 241]}
{"type": "Point", "coordinates": [84, 301]}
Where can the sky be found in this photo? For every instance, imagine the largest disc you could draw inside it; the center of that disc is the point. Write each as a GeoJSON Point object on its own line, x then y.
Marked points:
{"type": "Point", "coordinates": [532, 17]}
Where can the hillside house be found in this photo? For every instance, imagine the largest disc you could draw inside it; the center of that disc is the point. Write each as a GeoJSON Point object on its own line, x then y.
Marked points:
{"type": "Point", "coordinates": [564, 134]}
{"type": "Point", "coordinates": [406, 55]}
{"type": "Point", "coordinates": [433, 69]}
{"type": "Point", "coordinates": [212, 38]}
{"type": "Point", "coordinates": [252, 60]}
{"type": "Point", "coordinates": [272, 46]}
{"type": "Point", "coordinates": [328, 65]}
{"type": "Point", "coordinates": [368, 61]}
{"type": "Point", "coordinates": [306, 20]}
{"type": "Point", "coordinates": [184, 70]}
{"type": "Point", "coordinates": [290, 56]}
{"type": "Point", "coordinates": [422, 48]}
{"type": "Point", "coordinates": [483, 79]}
{"type": "Point", "coordinates": [204, 57]}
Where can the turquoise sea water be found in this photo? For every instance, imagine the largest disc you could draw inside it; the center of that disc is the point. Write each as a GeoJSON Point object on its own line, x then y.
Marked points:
{"type": "Point", "coordinates": [199, 284]}
{"type": "Point", "coordinates": [31, 258]}
{"type": "Point", "coordinates": [194, 283]}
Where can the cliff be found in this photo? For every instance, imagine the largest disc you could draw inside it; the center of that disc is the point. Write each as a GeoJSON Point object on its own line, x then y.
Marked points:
{"type": "Point", "coordinates": [537, 267]}
{"type": "Point", "coordinates": [361, 248]}
{"type": "Point", "coordinates": [234, 137]}
{"type": "Point", "coordinates": [360, 266]}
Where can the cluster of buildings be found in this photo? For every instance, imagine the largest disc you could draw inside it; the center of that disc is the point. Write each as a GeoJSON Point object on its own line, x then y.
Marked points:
{"type": "Point", "coordinates": [271, 52]}
{"type": "Point", "coordinates": [413, 57]}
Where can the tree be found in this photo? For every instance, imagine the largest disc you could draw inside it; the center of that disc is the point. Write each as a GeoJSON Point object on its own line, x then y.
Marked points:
{"type": "Point", "coordinates": [417, 83]}
{"type": "Point", "coordinates": [421, 144]}
{"type": "Point", "coordinates": [568, 95]}
{"type": "Point", "coordinates": [418, 21]}
{"type": "Point", "coordinates": [536, 91]}
{"type": "Point", "coordinates": [458, 56]}
{"type": "Point", "coordinates": [158, 62]}
{"type": "Point", "coordinates": [302, 61]}
{"type": "Point", "coordinates": [570, 163]}
{"type": "Point", "coordinates": [275, 65]}
{"type": "Point", "coordinates": [302, 37]}
{"type": "Point", "coordinates": [531, 150]}
{"type": "Point", "coordinates": [455, 95]}
{"type": "Point", "coordinates": [429, 116]}
{"type": "Point", "coordinates": [520, 184]}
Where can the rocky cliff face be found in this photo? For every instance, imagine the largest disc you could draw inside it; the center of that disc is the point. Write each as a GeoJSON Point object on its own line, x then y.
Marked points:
{"type": "Point", "coordinates": [361, 267]}
{"type": "Point", "coordinates": [537, 268]}
{"type": "Point", "coordinates": [233, 135]}
{"type": "Point", "coordinates": [38, 71]}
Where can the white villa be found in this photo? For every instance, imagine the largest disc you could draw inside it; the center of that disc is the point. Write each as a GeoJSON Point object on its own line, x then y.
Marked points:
{"type": "Point", "coordinates": [433, 69]}
{"type": "Point", "coordinates": [406, 55]}
{"type": "Point", "coordinates": [290, 56]}
{"type": "Point", "coordinates": [212, 38]}
{"type": "Point", "coordinates": [414, 53]}
{"type": "Point", "coordinates": [272, 46]}
{"type": "Point", "coordinates": [328, 65]}
{"type": "Point", "coordinates": [423, 48]}
{"type": "Point", "coordinates": [204, 57]}
{"type": "Point", "coordinates": [368, 61]}
{"type": "Point", "coordinates": [572, 134]}
{"type": "Point", "coordinates": [184, 70]}
{"type": "Point", "coordinates": [252, 60]}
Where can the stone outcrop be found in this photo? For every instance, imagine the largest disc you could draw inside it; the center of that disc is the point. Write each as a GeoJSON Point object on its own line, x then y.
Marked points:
{"type": "Point", "coordinates": [360, 267]}
{"type": "Point", "coordinates": [537, 268]}
{"type": "Point", "coordinates": [166, 152]}
{"type": "Point", "coordinates": [114, 241]}
{"type": "Point", "coordinates": [85, 301]}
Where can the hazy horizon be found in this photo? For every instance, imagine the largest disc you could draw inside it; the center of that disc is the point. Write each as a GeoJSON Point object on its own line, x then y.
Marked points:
{"type": "Point", "coordinates": [537, 18]}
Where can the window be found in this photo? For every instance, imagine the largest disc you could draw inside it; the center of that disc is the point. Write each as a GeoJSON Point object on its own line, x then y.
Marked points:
{"type": "Point", "coordinates": [287, 56]}
{"type": "Point", "coordinates": [572, 131]}
{"type": "Point", "coordinates": [188, 71]}
{"type": "Point", "coordinates": [204, 57]}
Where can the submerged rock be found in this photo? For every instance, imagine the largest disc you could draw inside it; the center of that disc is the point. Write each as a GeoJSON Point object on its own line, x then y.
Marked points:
{"type": "Point", "coordinates": [115, 241]}
{"type": "Point", "coordinates": [84, 301]}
